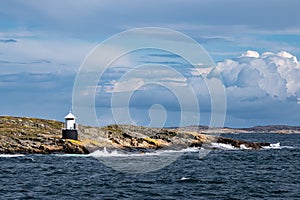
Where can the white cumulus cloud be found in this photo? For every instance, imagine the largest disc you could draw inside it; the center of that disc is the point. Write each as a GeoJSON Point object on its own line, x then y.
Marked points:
{"type": "Point", "coordinates": [272, 74]}
{"type": "Point", "coordinates": [251, 54]}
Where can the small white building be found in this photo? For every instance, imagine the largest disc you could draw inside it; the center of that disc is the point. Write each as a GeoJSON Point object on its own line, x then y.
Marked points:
{"type": "Point", "coordinates": [70, 121]}
{"type": "Point", "coordinates": [70, 130]}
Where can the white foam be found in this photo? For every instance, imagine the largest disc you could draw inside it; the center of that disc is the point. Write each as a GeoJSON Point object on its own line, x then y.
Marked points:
{"type": "Point", "coordinates": [288, 147]}
{"type": "Point", "coordinates": [184, 178]}
{"type": "Point", "coordinates": [105, 153]}
{"type": "Point", "coordinates": [189, 149]}
{"type": "Point", "coordinates": [72, 155]}
{"type": "Point", "coordinates": [10, 155]}
{"type": "Point", "coordinates": [243, 147]}
{"type": "Point", "coordinates": [115, 153]}
{"type": "Point", "coordinates": [273, 146]}
{"type": "Point", "coordinates": [222, 146]}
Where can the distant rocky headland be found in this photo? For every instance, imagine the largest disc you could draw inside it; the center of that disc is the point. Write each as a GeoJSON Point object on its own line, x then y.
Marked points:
{"type": "Point", "coordinates": [41, 136]}
{"type": "Point", "coordinates": [280, 129]}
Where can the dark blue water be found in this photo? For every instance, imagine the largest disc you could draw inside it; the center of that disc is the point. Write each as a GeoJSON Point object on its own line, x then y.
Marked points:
{"type": "Point", "coordinates": [232, 174]}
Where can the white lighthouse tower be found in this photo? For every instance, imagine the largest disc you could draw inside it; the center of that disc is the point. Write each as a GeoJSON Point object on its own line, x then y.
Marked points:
{"type": "Point", "coordinates": [70, 130]}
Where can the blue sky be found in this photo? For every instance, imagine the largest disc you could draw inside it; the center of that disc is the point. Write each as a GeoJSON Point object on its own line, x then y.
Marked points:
{"type": "Point", "coordinates": [43, 43]}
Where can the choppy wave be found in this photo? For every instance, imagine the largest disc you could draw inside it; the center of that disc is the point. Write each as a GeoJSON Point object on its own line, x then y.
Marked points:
{"type": "Point", "coordinates": [264, 173]}
{"type": "Point", "coordinates": [278, 146]}
{"type": "Point", "coordinates": [72, 155]}
{"type": "Point", "coordinates": [273, 146]}
{"type": "Point", "coordinates": [216, 146]}
{"type": "Point", "coordinates": [115, 153]}
{"type": "Point", "coordinates": [222, 146]}
{"type": "Point", "coordinates": [10, 155]}
{"type": "Point", "coordinates": [184, 178]}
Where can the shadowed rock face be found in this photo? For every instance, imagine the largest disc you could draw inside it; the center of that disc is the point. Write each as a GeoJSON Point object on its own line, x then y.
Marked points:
{"type": "Point", "coordinates": [31, 135]}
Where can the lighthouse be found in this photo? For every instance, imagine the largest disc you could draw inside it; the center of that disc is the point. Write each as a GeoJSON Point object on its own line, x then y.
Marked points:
{"type": "Point", "coordinates": [70, 129]}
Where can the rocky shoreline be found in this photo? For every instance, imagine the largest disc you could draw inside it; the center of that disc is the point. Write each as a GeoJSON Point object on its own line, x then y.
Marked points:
{"type": "Point", "coordinates": [41, 136]}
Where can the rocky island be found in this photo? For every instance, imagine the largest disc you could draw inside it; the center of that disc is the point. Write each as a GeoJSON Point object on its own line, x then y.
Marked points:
{"type": "Point", "coordinates": [41, 136]}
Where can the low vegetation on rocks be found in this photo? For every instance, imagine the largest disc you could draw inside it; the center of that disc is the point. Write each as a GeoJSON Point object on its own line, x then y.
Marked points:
{"type": "Point", "coordinates": [32, 135]}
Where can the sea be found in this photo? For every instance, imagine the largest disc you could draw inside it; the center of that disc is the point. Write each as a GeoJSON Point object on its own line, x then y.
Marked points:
{"type": "Point", "coordinates": [225, 173]}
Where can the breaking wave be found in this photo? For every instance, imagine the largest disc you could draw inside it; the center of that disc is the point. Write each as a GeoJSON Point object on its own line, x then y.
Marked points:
{"type": "Point", "coordinates": [204, 150]}
{"type": "Point", "coordinates": [116, 153]}
{"type": "Point", "coordinates": [142, 162]}
{"type": "Point", "coordinates": [278, 146]}
{"type": "Point", "coordinates": [222, 146]}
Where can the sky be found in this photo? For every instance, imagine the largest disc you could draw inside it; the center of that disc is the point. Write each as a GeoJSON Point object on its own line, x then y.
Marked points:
{"type": "Point", "coordinates": [255, 46]}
